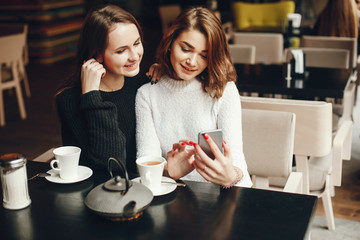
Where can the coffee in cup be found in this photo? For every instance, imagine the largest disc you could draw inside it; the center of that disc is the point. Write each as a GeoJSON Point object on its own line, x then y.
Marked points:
{"type": "Point", "coordinates": [151, 170]}
{"type": "Point", "coordinates": [67, 161]}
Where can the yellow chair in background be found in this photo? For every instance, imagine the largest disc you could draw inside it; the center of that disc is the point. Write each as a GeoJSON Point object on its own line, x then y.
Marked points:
{"type": "Point", "coordinates": [248, 15]}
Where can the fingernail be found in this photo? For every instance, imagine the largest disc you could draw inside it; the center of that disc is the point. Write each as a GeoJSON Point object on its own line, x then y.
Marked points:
{"type": "Point", "coordinates": [149, 76]}
{"type": "Point", "coordinates": [192, 143]}
{"type": "Point", "coordinates": [183, 144]}
{"type": "Point", "coordinates": [152, 82]}
{"type": "Point", "coordinates": [206, 136]}
{"type": "Point", "coordinates": [156, 81]}
{"type": "Point", "coordinates": [224, 141]}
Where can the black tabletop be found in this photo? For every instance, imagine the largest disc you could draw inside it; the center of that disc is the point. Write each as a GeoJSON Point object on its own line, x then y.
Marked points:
{"type": "Point", "coordinates": [197, 211]}
{"type": "Point", "coordinates": [270, 79]}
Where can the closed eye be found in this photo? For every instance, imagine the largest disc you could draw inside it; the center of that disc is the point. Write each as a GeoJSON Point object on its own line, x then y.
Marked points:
{"type": "Point", "coordinates": [137, 42]}
{"type": "Point", "coordinates": [120, 51]}
{"type": "Point", "coordinates": [185, 49]}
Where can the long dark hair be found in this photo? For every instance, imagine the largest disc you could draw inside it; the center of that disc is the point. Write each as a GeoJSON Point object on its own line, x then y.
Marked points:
{"type": "Point", "coordinates": [94, 37]}
{"type": "Point", "coordinates": [220, 69]}
{"type": "Point", "coordinates": [338, 19]}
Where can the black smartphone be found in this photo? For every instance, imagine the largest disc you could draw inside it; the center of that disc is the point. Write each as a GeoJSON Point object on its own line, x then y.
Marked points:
{"type": "Point", "coordinates": [217, 137]}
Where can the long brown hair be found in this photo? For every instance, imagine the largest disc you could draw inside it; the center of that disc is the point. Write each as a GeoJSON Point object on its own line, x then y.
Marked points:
{"type": "Point", "coordinates": [220, 69]}
{"type": "Point", "coordinates": [94, 37]}
{"type": "Point", "coordinates": [339, 18]}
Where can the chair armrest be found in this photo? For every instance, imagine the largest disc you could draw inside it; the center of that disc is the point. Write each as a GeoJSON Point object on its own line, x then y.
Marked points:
{"type": "Point", "coordinates": [348, 102]}
{"type": "Point", "coordinates": [46, 156]}
{"type": "Point", "coordinates": [341, 151]}
{"type": "Point", "coordinates": [294, 184]}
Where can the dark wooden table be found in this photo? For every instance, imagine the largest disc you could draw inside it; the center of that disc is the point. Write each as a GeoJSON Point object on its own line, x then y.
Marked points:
{"type": "Point", "coordinates": [197, 211]}
{"type": "Point", "coordinates": [270, 79]}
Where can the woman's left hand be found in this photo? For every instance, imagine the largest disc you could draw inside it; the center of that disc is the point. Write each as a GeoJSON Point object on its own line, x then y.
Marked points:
{"type": "Point", "coordinates": [219, 170]}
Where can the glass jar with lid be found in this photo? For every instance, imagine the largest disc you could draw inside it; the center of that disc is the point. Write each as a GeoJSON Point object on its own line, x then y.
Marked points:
{"type": "Point", "coordinates": [14, 181]}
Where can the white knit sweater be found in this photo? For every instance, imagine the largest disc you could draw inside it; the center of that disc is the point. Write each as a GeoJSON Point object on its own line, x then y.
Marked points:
{"type": "Point", "coordinates": [173, 110]}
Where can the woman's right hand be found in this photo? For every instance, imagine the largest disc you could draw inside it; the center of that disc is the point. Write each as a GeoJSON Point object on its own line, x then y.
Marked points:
{"type": "Point", "coordinates": [91, 74]}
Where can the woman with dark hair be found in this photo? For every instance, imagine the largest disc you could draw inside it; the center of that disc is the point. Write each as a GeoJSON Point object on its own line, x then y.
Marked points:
{"type": "Point", "coordinates": [97, 104]}
{"type": "Point", "coordinates": [197, 92]}
{"type": "Point", "coordinates": [338, 19]}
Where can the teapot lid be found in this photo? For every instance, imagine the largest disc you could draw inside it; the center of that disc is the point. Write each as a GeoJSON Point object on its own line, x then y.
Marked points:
{"type": "Point", "coordinates": [118, 197]}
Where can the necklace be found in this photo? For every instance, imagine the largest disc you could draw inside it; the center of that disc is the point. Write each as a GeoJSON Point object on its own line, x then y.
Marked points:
{"type": "Point", "coordinates": [107, 86]}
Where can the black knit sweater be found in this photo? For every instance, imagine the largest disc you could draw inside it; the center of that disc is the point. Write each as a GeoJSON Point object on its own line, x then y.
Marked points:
{"type": "Point", "coordinates": [101, 123]}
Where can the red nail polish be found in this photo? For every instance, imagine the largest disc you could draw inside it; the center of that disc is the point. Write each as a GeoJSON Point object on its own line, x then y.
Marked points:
{"type": "Point", "coordinates": [224, 141]}
{"type": "Point", "coordinates": [102, 75]}
{"type": "Point", "coordinates": [194, 144]}
{"type": "Point", "coordinates": [191, 142]}
{"type": "Point", "coordinates": [183, 144]}
{"type": "Point", "coordinates": [206, 136]}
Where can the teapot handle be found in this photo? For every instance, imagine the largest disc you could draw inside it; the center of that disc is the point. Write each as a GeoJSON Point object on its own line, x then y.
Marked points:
{"type": "Point", "coordinates": [123, 168]}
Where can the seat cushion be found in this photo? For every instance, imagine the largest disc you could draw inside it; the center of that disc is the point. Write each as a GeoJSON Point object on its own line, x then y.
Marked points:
{"type": "Point", "coordinates": [319, 168]}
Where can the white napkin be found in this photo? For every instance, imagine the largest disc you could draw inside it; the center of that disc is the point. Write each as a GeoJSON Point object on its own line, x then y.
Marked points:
{"type": "Point", "coordinates": [299, 60]}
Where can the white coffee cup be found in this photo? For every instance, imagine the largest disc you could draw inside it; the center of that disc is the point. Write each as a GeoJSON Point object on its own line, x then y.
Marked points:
{"type": "Point", "coordinates": [67, 161]}
{"type": "Point", "coordinates": [151, 170]}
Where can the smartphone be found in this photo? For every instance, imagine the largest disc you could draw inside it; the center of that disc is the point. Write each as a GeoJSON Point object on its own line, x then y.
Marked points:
{"type": "Point", "coordinates": [217, 137]}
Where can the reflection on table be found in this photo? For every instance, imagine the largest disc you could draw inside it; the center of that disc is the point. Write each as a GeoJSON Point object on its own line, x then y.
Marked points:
{"type": "Point", "coordinates": [270, 79]}
{"type": "Point", "coordinates": [197, 211]}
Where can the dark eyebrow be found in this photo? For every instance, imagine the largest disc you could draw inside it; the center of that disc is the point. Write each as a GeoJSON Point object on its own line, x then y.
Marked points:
{"type": "Point", "coordinates": [191, 46]}
{"type": "Point", "coordinates": [117, 49]}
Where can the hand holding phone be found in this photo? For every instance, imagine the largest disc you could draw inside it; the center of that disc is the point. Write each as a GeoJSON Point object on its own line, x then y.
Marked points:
{"type": "Point", "coordinates": [217, 137]}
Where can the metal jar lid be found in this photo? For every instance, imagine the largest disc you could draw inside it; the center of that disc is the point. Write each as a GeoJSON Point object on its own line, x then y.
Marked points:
{"type": "Point", "coordinates": [12, 160]}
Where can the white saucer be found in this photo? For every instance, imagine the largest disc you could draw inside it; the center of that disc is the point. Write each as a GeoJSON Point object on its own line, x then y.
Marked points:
{"type": "Point", "coordinates": [165, 188]}
{"type": "Point", "coordinates": [83, 173]}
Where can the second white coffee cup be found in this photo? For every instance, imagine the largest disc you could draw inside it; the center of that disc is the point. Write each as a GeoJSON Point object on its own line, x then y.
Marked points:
{"type": "Point", "coordinates": [67, 161]}
{"type": "Point", "coordinates": [151, 170]}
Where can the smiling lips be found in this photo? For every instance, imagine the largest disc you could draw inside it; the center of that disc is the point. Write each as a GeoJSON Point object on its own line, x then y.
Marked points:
{"type": "Point", "coordinates": [132, 66]}
{"type": "Point", "coordinates": [188, 69]}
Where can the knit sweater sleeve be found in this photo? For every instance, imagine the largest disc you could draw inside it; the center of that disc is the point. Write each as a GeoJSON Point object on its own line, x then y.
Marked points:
{"type": "Point", "coordinates": [229, 120]}
{"type": "Point", "coordinates": [147, 141]}
{"type": "Point", "coordinates": [92, 124]}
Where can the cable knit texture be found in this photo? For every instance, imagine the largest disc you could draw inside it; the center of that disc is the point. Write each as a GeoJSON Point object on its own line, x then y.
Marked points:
{"type": "Point", "coordinates": [101, 123]}
{"type": "Point", "coordinates": [178, 110]}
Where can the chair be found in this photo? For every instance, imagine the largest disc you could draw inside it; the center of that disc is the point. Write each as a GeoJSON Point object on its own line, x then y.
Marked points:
{"type": "Point", "coordinates": [323, 57]}
{"type": "Point", "coordinates": [242, 54]}
{"type": "Point", "coordinates": [248, 15]}
{"type": "Point", "coordinates": [168, 13]}
{"type": "Point", "coordinates": [12, 68]}
{"type": "Point", "coordinates": [269, 46]}
{"type": "Point", "coordinates": [346, 43]}
{"type": "Point", "coordinates": [275, 138]}
{"type": "Point", "coordinates": [15, 28]}
{"type": "Point", "coordinates": [341, 111]}
{"type": "Point", "coordinates": [318, 155]}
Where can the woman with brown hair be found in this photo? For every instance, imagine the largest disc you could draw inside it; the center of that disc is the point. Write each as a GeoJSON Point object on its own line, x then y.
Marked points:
{"type": "Point", "coordinates": [197, 92]}
{"type": "Point", "coordinates": [338, 19]}
{"type": "Point", "coordinates": [97, 104]}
